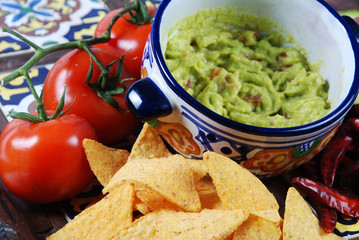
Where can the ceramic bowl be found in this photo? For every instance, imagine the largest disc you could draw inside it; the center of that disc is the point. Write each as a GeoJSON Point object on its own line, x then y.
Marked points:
{"type": "Point", "coordinates": [191, 129]}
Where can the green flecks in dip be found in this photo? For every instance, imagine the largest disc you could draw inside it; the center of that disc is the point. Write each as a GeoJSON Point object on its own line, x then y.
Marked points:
{"type": "Point", "coordinates": [244, 69]}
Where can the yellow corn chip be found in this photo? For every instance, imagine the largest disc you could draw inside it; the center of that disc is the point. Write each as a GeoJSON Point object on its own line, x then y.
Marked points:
{"type": "Point", "coordinates": [269, 215]}
{"type": "Point", "coordinates": [208, 194]}
{"type": "Point", "coordinates": [299, 221]}
{"type": "Point", "coordinates": [199, 168]}
{"type": "Point", "coordinates": [142, 228]}
{"type": "Point", "coordinates": [170, 177]}
{"type": "Point", "coordinates": [102, 220]}
{"type": "Point", "coordinates": [154, 201]}
{"type": "Point", "coordinates": [207, 224]}
{"type": "Point", "coordinates": [205, 184]}
{"type": "Point", "coordinates": [168, 224]}
{"type": "Point", "coordinates": [236, 186]}
{"type": "Point", "coordinates": [140, 206]}
{"type": "Point", "coordinates": [210, 200]}
{"type": "Point", "coordinates": [257, 228]}
{"type": "Point", "coordinates": [149, 145]}
{"type": "Point", "coordinates": [104, 161]}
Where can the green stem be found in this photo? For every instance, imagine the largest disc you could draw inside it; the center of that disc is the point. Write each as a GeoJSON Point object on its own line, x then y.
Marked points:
{"type": "Point", "coordinates": [42, 52]}
{"type": "Point", "coordinates": [41, 112]}
{"type": "Point", "coordinates": [104, 71]}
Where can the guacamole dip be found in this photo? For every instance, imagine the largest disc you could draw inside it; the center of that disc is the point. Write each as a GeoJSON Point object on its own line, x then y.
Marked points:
{"type": "Point", "coordinates": [245, 69]}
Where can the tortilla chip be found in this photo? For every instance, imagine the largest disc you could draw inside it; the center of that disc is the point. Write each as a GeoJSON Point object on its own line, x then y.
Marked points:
{"type": "Point", "coordinates": [257, 228]}
{"type": "Point", "coordinates": [102, 220]}
{"type": "Point", "coordinates": [170, 177]}
{"type": "Point", "coordinates": [198, 167]}
{"type": "Point", "coordinates": [207, 224]}
{"type": "Point", "coordinates": [236, 186]}
{"type": "Point", "coordinates": [210, 200]}
{"type": "Point", "coordinates": [208, 194]}
{"type": "Point", "coordinates": [269, 215]}
{"type": "Point", "coordinates": [140, 206]}
{"type": "Point", "coordinates": [104, 161]}
{"type": "Point", "coordinates": [142, 228]}
{"type": "Point", "coordinates": [149, 145]}
{"type": "Point", "coordinates": [168, 224]}
{"type": "Point", "coordinates": [205, 184]}
{"type": "Point", "coordinates": [155, 201]}
{"type": "Point", "coordinates": [299, 220]}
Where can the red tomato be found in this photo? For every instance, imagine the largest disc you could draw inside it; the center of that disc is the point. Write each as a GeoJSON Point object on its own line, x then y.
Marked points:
{"type": "Point", "coordinates": [126, 37]}
{"type": "Point", "coordinates": [71, 70]}
{"type": "Point", "coordinates": [45, 162]}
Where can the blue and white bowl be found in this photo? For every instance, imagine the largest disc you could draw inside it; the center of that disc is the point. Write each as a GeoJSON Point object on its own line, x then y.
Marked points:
{"type": "Point", "coordinates": [191, 128]}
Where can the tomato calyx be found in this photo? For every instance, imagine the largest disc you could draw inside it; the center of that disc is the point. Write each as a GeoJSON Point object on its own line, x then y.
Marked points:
{"type": "Point", "coordinates": [107, 86]}
{"type": "Point", "coordinates": [140, 15]}
{"type": "Point", "coordinates": [41, 114]}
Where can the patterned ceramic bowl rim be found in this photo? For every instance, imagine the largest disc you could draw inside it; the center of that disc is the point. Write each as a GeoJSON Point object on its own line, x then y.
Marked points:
{"type": "Point", "coordinates": [329, 119]}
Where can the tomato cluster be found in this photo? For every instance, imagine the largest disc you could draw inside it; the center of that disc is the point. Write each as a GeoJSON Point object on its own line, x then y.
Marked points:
{"type": "Point", "coordinates": [110, 124]}
{"type": "Point", "coordinates": [44, 161]}
{"type": "Point", "coordinates": [126, 38]}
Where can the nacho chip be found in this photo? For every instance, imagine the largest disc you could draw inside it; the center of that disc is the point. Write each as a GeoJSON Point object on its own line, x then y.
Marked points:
{"type": "Point", "coordinates": [299, 220]}
{"type": "Point", "coordinates": [205, 184]}
{"type": "Point", "coordinates": [170, 177]}
{"type": "Point", "coordinates": [198, 167]}
{"type": "Point", "coordinates": [207, 224]}
{"type": "Point", "coordinates": [269, 215]}
{"type": "Point", "coordinates": [140, 206]}
{"type": "Point", "coordinates": [102, 220]}
{"type": "Point", "coordinates": [258, 228]}
{"type": "Point", "coordinates": [149, 145]}
{"type": "Point", "coordinates": [236, 186]}
{"type": "Point", "coordinates": [155, 201]}
{"type": "Point", "coordinates": [104, 161]}
{"type": "Point", "coordinates": [208, 194]}
{"type": "Point", "coordinates": [210, 200]}
{"type": "Point", "coordinates": [142, 228]}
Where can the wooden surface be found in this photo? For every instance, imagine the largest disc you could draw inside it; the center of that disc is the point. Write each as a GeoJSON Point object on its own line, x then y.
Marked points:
{"type": "Point", "coordinates": [22, 220]}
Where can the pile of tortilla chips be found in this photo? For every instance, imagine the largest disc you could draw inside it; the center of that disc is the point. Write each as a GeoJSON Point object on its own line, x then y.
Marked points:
{"type": "Point", "coordinates": [179, 198]}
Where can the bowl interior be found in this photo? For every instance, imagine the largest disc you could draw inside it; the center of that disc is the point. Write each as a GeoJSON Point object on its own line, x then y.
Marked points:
{"type": "Point", "coordinates": [317, 28]}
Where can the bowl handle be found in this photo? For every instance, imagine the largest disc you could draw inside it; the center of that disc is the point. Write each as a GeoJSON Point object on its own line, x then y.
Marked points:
{"type": "Point", "coordinates": [146, 100]}
{"type": "Point", "coordinates": [353, 25]}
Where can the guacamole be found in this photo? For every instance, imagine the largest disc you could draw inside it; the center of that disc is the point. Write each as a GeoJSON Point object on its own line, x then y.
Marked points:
{"type": "Point", "coordinates": [244, 68]}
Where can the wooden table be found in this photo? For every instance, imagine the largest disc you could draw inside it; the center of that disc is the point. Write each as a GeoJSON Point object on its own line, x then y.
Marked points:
{"type": "Point", "coordinates": [22, 220]}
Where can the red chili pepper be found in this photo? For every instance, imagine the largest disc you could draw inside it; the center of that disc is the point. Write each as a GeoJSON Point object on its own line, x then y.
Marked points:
{"type": "Point", "coordinates": [327, 216]}
{"type": "Point", "coordinates": [354, 111]}
{"type": "Point", "coordinates": [354, 123]}
{"type": "Point", "coordinates": [345, 203]}
{"type": "Point", "coordinates": [347, 175]}
{"type": "Point", "coordinates": [334, 152]}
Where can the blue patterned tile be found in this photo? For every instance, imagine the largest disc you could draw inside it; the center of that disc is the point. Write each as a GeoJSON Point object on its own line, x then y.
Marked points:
{"type": "Point", "coordinates": [48, 22]}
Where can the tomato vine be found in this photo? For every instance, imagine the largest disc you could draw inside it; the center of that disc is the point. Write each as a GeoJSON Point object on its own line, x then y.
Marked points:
{"type": "Point", "coordinates": [105, 86]}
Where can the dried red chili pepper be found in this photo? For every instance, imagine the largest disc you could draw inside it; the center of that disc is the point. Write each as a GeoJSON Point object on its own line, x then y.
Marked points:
{"type": "Point", "coordinates": [334, 152]}
{"type": "Point", "coordinates": [354, 111]}
{"type": "Point", "coordinates": [347, 175]}
{"type": "Point", "coordinates": [327, 216]}
{"type": "Point", "coordinates": [354, 124]}
{"type": "Point", "coordinates": [345, 203]}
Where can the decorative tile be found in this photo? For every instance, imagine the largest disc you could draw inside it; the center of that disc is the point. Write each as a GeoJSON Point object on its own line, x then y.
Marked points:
{"type": "Point", "coordinates": [48, 22]}
{"type": "Point", "coordinates": [16, 95]}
